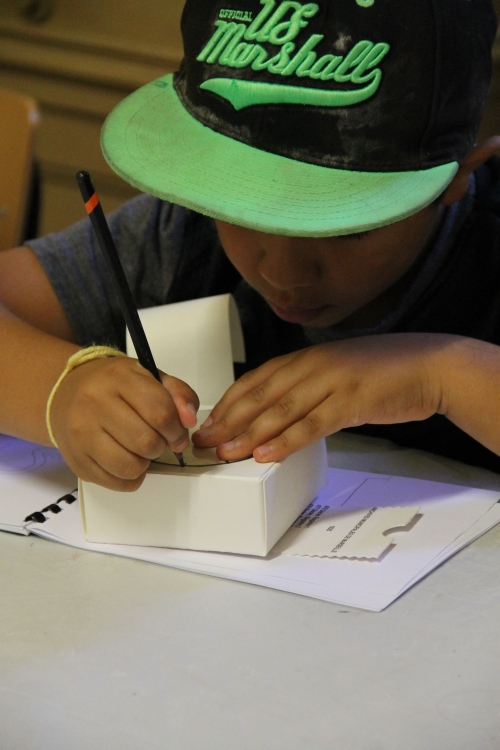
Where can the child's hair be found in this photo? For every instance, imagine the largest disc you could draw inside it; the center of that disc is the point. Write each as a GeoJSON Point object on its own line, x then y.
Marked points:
{"type": "Point", "coordinates": [310, 118]}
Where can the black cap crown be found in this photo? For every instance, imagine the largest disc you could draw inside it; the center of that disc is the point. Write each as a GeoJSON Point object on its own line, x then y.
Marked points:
{"type": "Point", "coordinates": [368, 85]}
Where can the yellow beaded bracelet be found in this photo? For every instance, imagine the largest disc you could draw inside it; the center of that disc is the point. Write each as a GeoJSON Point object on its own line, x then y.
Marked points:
{"type": "Point", "coordinates": [79, 358]}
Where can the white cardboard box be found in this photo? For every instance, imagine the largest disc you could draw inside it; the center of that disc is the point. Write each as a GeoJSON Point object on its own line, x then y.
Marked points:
{"type": "Point", "coordinates": [243, 507]}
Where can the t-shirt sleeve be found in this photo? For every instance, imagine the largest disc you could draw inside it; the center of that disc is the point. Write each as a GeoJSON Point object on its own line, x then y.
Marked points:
{"type": "Point", "coordinates": [148, 235]}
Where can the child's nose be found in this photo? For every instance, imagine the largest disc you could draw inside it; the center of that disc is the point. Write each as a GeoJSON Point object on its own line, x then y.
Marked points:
{"type": "Point", "coordinates": [286, 268]}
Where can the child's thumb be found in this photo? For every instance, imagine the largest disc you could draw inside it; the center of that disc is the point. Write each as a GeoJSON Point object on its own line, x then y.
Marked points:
{"type": "Point", "coordinates": [185, 399]}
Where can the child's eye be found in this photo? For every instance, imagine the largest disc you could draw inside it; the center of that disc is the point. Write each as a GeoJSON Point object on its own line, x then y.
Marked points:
{"type": "Point", "coordinates": [355, 236]}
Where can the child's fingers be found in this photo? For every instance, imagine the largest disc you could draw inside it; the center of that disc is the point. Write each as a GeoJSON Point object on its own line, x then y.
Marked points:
{"type": "Point", "coordinates": [109, 464]}
{"type": "Point", "coordinates": [113, 458]}
{"type": "Point", "coordinates": [132, 432]}
{"type": "Point", "coordinates": [155, 405]}
{"type": "Point", "coordinates": [295, 405]}
{"type": "Point", "coordinates": [185, 399]}
{"type": "Point", "coordinates": [247, 383]}
{"type": "Point", "coordinates": [105, 479]}
{"type": "Point", "coordinates": [272, 394]}
{"type": "Point", "coordinates": [315, 425]}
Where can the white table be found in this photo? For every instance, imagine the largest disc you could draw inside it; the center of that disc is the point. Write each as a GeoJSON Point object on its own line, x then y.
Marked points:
{"type": "Point", "coordinates": [105, 653]}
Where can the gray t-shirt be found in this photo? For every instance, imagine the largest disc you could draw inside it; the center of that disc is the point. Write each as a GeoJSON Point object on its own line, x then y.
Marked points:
{"type": "Point", "coordinates": [148, 234]}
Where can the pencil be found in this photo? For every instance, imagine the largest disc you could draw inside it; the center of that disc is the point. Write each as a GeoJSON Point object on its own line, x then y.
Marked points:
{"type": "Point", "coordinates": [118, 278]}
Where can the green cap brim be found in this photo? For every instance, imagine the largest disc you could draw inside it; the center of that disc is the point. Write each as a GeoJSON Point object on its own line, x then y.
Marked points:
{"type": "Point", "coordinates": [153, 143]}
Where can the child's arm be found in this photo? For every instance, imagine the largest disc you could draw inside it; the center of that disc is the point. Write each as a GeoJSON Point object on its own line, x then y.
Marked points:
{"type": "Point", "coordinates": [110, 417]}
{"type": "Point", "coordinates": [294, 400]}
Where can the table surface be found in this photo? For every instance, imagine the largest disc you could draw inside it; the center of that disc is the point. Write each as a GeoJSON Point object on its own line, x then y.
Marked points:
{"type": "Point", "coordinates": [105, 653]}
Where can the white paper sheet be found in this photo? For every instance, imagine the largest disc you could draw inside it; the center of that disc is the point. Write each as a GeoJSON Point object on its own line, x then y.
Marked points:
{"type": "Point", "coordinates": [347, 582]}
{"type": "Point", "coordinates": [452, 516]}
{"type": "Point", "coordinates": [31, 477]}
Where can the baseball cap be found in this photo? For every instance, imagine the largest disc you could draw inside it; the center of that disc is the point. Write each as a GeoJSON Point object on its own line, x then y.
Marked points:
{"type": "Point", "coordinates": [310, 118]}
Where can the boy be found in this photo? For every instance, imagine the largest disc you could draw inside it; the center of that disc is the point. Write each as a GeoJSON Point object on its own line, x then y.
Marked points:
{"type": "Point", "coordinates": [317, 160]}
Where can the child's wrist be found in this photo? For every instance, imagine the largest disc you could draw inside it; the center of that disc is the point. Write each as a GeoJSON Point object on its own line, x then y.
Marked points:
{"type": "Point", "coordinates": [79, 358]}
{"type": "Point", "coordinates": [449, 370]}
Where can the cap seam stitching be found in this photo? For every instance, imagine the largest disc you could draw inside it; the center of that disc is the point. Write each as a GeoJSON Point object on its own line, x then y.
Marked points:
{"type": "Point", "coordinates": [437, 85]}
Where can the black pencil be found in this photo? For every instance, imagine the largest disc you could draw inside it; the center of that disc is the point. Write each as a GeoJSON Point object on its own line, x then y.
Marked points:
{"type": "Point", "coordinates": [118, 278]}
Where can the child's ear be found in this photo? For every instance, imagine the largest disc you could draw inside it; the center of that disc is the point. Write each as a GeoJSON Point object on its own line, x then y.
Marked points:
{"type": "Point", "coordinates": [479, 154]}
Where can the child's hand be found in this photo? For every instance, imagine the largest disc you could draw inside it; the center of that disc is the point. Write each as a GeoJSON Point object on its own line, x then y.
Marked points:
{"type": "Point", "coordinates": [110, 418]}
{"type": "Point", "coordinates": [294, 400]}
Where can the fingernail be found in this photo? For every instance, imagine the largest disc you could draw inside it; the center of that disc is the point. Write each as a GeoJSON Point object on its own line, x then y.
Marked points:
{"type": "Point", "coordinates": [264, 450]}
{"type": "Point", "coordinates": [192, 408]}
{"type": "Point", "coordinates": [230, 446]}
{"type": "Point", "coordinates": [203, 434]}
{"type": "Point", "coordinates": [209, 421]}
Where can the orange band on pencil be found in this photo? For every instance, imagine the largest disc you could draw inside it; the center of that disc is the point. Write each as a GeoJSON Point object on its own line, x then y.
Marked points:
{"type": "Point", "coordinates": [92, 203]}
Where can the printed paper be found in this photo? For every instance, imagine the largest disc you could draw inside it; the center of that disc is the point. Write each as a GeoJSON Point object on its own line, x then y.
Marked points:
{"type": "Point", "coordinates": [324, 531]}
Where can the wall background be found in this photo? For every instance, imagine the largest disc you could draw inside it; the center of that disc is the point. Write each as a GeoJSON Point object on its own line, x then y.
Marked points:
{"type": "Point", "coordinates": [79, 60]}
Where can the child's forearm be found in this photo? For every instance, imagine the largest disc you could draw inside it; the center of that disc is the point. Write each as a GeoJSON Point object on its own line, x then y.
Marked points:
{"type": "Point", "coordinates": [470, 386]}
{"type": "Point", "coordinates": [31, 363]}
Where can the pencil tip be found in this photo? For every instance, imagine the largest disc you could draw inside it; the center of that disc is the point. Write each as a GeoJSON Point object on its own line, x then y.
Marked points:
{"type": "Point", "coordinates": [180, 459]}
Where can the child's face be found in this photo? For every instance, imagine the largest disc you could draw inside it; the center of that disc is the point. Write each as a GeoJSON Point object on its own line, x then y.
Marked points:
{"type": "Point", "coordinates": [322, 281]}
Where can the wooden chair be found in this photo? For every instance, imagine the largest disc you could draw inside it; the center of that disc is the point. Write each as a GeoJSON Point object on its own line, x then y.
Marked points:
{"type": "Point", "coordinates": [18, 120]}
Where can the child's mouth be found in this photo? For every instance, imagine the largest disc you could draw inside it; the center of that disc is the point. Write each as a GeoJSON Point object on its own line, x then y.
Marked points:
{"type": "Point", "coordinates": [299, 315]}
